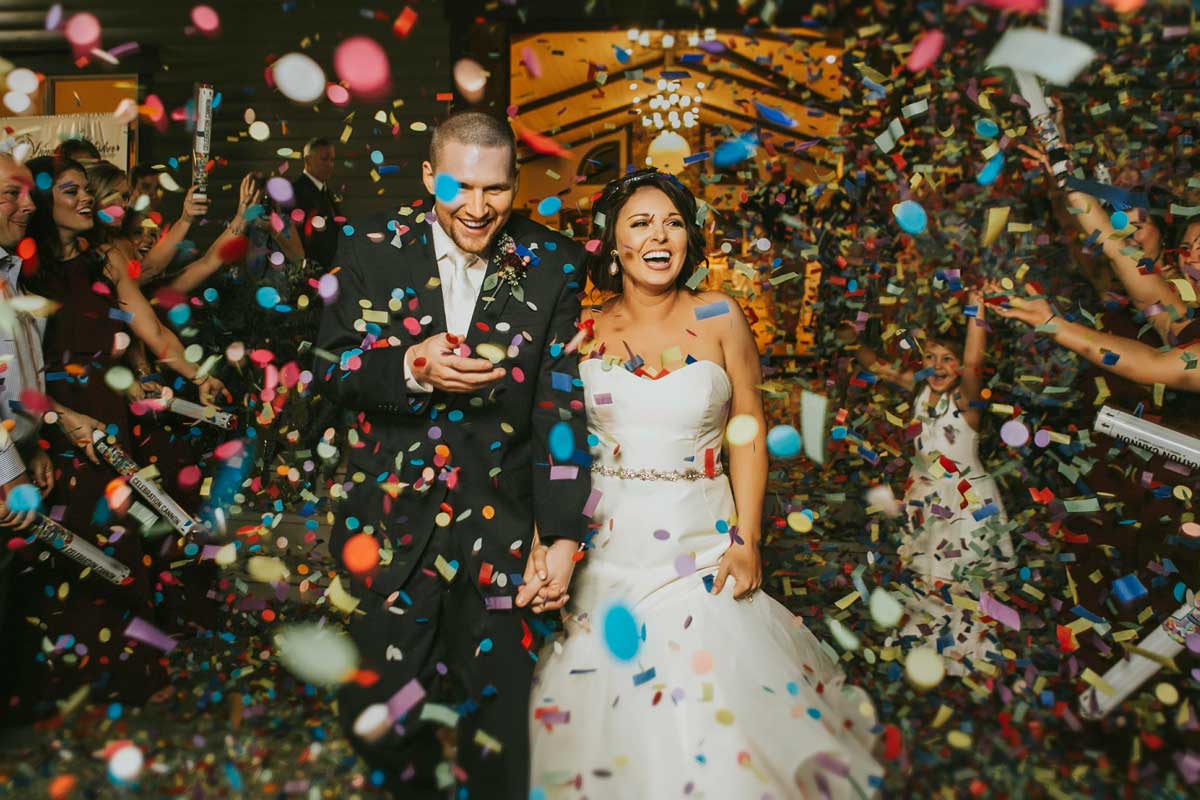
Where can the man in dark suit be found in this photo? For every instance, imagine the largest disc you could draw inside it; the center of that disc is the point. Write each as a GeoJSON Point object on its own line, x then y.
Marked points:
{"type": "Point", "coordinates": [448, 338]}
{"type": "Point", "coordinates": [312, 194]}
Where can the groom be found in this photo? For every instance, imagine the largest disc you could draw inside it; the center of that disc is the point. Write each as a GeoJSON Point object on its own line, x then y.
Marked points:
{"type": "Point", "coordinates": [448, 340]}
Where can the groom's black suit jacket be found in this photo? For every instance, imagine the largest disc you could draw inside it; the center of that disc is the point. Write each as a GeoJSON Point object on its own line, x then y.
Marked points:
{"type": "Point", "coordinates": [497, 438]}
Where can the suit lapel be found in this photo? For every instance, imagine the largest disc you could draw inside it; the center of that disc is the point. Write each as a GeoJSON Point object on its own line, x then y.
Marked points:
{"type": "Point", "coordinates": [488, 313]}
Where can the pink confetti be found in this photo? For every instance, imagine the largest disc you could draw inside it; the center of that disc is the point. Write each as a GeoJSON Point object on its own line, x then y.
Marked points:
{"type": "Point", "coordinates": [143, 631]}
{"type": "Point", "coordinates": [229, 450]}
{"type": "Point", "coordinates": [205, 19]}
{"type": "Point", "coordinates": [926, 51]}
{"type": "Point", "coordinates": [531, 62]}
{"type": "Point", "coordinates": [189, 476]}
{"type": "Point", "coordinates": [406, 699]}
{"type": "Point", "coordinates": [362, 64]}
{"type": "Point", "coordinates": [83, 32]}
{"type": "Point", "coordinates": [589, 508]}
{"type": "Point", "coordinates": [1005, 615]}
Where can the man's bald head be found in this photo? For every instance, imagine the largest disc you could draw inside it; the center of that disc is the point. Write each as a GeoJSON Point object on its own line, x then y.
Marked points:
{"type": "Point", "coordinates": [16, 206]}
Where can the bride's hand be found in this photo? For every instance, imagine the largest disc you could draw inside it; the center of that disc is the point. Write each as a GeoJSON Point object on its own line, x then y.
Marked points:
{"type": "Point", "coordinates": [744, 563]}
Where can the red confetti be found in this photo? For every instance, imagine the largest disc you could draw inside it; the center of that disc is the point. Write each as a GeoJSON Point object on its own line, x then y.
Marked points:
{"type": "Point", "coordinates": [405, 22]}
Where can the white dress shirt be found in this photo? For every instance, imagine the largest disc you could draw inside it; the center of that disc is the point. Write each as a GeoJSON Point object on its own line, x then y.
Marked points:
{"type": "Point", "coordinates": [320, 184]}
{"type": "Point", "coordinates": [24, 368]}
{"type": "Point", "coordinates": [462, 277]}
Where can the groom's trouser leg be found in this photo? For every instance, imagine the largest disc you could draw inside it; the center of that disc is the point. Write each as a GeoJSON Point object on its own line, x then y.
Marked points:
{"type": "Point", "coordinates": [407, 760]}
{"type": "Point", "coordinates": [497, 684]}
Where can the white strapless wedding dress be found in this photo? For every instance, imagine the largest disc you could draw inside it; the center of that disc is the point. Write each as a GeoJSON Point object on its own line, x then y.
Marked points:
{"type": "Point", "coordinates": [696, 695]}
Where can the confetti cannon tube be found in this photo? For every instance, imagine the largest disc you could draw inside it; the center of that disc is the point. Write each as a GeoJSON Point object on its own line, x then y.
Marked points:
{"type": "Point", "coordinates": [162, 502]}
{"type": "Point", "coordinates": [219, 419]}
{"type": "Point", "coordinates": [1044, 125]}
{"type": "Point", "coordinates": [1155, 438]}
{"type": "Point", "coordinates": [202, 144]}
{"type": "Point", "coordinates": [1125, 677]}
{"type": "Point", "coordinates": [77, 549]}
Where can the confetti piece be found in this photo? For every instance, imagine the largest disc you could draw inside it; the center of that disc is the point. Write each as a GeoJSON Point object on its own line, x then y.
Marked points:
{"type": "Point", "coordinates": [143, 631]}
{"type": "Point", "coordinates": [924, 668]}
{"type": "Point", "coordinates": [714, 309]}
{"type": "Point", "coordinates": [363, 65]}
{"type": "Point", "coordinates": [317, 654]}
{"type": "Point", "coordinates": [621, 633]}
{"type": "Point", "coordinates": [783, 441]}
{"type": "Point", "coordinates": [910, 216]}
{"type": "Point", "coordinates": [925, 51]}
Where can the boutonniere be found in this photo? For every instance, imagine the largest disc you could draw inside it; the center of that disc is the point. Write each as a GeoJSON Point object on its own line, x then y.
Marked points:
{"type": "Point", "coordinates": [512, 262]}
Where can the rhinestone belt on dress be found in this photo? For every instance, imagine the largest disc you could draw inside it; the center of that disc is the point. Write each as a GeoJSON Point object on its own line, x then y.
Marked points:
{"type": "Point", "coordinates": [657, 474]}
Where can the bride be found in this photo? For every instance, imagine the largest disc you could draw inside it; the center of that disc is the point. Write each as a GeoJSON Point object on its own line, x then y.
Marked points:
{"type": "Point", "coordinates": [674, 676]}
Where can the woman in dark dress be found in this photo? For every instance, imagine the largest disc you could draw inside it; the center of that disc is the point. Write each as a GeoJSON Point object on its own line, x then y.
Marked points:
{"type": "Point", "coordinates": [84, 619]}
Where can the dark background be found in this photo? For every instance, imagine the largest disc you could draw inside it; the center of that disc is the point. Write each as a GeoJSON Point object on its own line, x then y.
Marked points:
{"type": "Point", "coordinates": [172, 58]}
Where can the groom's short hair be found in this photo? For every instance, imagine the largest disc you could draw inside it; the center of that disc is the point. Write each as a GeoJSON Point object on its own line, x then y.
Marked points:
{"type": "Point", "coordinates": [474, 128]}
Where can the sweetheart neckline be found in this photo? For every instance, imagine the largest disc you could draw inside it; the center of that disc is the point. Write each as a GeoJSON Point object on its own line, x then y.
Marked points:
{"type": "Point", "coordinates": [662, 378]}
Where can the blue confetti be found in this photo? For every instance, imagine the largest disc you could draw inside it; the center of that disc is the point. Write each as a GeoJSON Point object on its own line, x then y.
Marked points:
{"type": "Point", "coordinates": [24, 498]}
{"type": "Point", "coordinates": [621, 633]}
{"type": "Point", "coordinates": [562, 441]}
{"type": "Point", "coordinates": [267, 297]}
{"type": "Point", "coordinates": [445, 188]}
{"type": "Point", "coordinates": [783, 441]}
{"type": "Point", "coordinates": [910, 216]}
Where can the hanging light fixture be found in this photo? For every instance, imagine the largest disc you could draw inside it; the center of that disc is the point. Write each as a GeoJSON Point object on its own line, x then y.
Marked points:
{"type": "Point", "coordinates": [669, 107]}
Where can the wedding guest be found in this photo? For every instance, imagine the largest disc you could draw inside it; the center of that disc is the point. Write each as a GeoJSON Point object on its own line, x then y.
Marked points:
{"type": "Point", "coordinates": [956, 538]}
{"type": "Point", "coordinates": [101, 308]}
{"type": "Point", "coordinates": [313, 196]}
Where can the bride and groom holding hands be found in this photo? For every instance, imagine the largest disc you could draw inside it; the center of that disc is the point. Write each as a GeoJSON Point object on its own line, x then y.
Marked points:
{"type": "Point", "coordinates": [517, 458]}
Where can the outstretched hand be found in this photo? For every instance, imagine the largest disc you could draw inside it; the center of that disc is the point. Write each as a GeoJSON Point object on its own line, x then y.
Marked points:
{"type": "Point", "coordinates": [1035, 311]}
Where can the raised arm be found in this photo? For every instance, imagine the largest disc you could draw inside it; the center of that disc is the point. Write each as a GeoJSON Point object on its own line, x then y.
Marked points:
{"type": "Point", "coordinates": [1145, 290]}
{"type": "Point", "coordinates": [200, 270]}
{"type": "Point", "coordinates": [970, 384]}
{"type": "Point", "coordinates": [145, 325]}
{"type": "Point", "coordinates": [163, 252]}
{"type": "Point", "coordinates": [747, 460]}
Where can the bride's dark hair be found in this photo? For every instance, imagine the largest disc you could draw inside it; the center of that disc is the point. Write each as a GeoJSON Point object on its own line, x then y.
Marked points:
{"type": "Point", "coordinates": [613, 199]}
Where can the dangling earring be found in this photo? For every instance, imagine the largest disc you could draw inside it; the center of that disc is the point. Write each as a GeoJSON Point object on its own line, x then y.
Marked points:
{"type": "Point", "coordinates": [614, 267]}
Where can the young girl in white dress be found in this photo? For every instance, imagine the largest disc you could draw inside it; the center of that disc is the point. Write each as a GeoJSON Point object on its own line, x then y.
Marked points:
{"type": "Point", "coordinates": [675, 677]}
{"type": "Point", "coordinates": [957, 533]}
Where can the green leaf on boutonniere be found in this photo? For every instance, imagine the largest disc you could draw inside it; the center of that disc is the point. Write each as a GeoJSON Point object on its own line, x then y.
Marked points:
{"type": "Point", "coordinates": [518, 291]}
{"type": "Point", "coordinates": [490, 282]}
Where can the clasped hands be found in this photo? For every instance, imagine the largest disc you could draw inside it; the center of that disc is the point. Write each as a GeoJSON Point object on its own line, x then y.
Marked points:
{"type": "Point", "coordinates": [548, 572]}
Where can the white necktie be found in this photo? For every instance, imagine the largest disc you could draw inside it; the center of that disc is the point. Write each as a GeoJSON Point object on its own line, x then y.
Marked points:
{"type": "Point", "coordinates": [460, 300]}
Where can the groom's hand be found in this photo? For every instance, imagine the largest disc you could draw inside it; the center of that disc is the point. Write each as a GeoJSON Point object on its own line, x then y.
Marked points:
{"type": "Point", "coordinates": [547, 576]}
{"type": "Point", "coordinates": [436, 361]}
